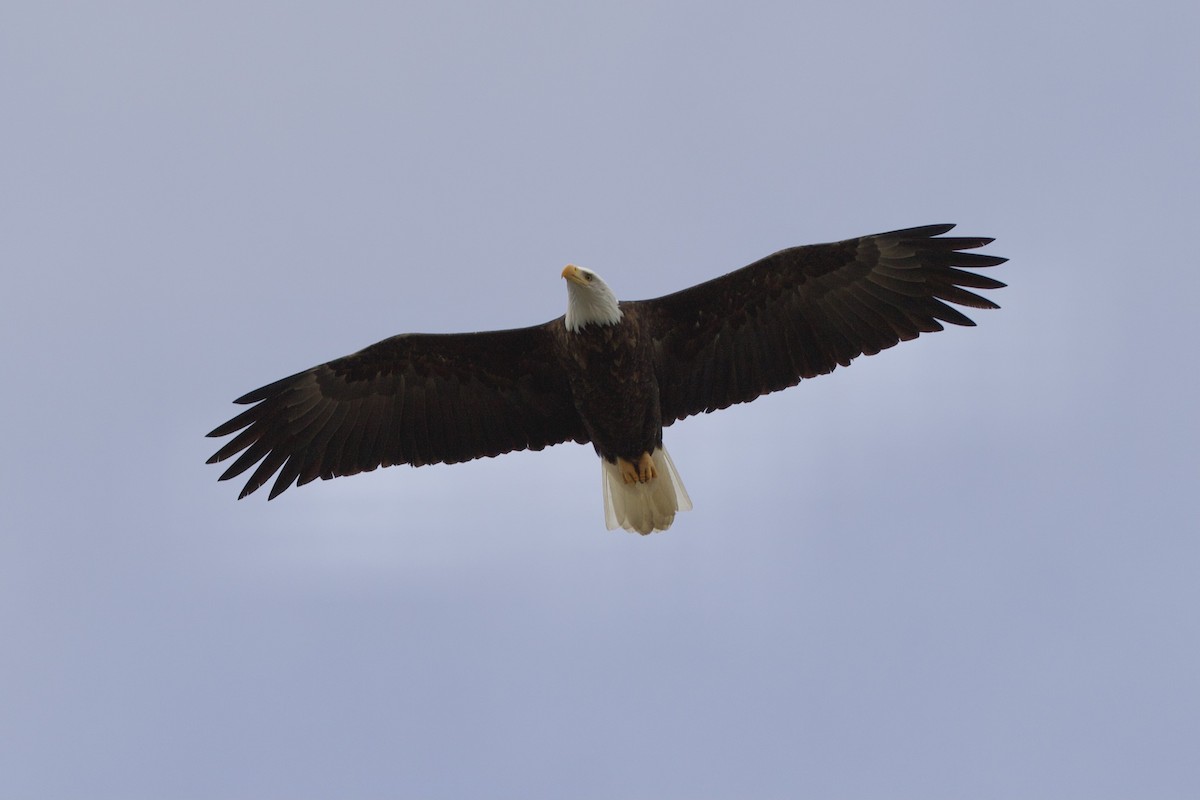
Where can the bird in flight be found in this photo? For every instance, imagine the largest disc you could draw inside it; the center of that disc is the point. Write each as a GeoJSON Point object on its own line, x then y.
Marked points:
{"type": "Point", "coordinates": [609, 372]}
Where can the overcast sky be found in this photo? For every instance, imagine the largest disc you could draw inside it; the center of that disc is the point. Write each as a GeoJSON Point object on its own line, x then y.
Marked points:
{"type": "Point", "coordinates": [966, 567]}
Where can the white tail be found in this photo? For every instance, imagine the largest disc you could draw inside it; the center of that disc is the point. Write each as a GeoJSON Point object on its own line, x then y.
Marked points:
{"type": "Point", "coordinates": [644, 507]}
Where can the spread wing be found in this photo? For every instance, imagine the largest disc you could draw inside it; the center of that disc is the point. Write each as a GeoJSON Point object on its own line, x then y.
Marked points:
{"type": "Point", "coordinates": [411, 399]}
{"type": "Point", "coordinates": [803, 311]}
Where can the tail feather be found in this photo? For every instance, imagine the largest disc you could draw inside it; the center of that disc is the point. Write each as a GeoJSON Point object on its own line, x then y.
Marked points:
{"type": "Point", "coordinates": [644, 507]}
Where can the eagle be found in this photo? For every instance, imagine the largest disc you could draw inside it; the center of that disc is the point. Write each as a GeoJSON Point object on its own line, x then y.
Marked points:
{"type": "Point", "coordinates": [609, 372]}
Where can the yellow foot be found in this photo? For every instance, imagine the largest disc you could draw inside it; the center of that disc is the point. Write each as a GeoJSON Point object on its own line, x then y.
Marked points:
{"type": "Point", "coordinates": [646, 470]}
{"type": "Point", "coordinates": [642, 472]}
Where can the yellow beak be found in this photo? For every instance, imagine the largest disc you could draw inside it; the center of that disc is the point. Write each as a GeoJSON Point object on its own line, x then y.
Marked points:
{"type": "Point", "coordinates": [571, 273]}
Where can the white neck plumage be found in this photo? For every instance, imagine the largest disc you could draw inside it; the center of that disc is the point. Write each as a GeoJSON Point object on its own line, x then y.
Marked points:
{"type": "Point", "coordinates": [589, 300]}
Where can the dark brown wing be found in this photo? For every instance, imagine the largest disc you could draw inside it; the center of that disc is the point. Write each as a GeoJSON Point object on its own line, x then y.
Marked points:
{"type": "Point", "coordinates": [411, 399]}
{"type": "Point", "coordinates": [803, 311]}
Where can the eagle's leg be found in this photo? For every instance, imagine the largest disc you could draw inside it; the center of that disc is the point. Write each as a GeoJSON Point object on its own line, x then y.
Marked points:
{"type": "Point", "coordinates": [646, 470]}
{"type": "Point", "coordinates": [641, 472]}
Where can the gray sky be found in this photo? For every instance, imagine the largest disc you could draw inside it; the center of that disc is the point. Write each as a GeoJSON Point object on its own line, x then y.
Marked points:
{"type": "Point", "coordinates": [966, 567]}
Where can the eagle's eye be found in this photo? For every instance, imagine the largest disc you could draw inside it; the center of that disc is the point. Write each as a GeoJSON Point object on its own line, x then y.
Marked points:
{"type": "Point", "coordinates": [587, 276]}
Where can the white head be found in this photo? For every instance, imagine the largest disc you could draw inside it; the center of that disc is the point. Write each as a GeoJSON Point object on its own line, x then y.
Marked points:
{"type": "Point", "coordinates": [589, 300]}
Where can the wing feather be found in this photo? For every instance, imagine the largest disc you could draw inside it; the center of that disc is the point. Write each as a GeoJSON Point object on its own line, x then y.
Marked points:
{"type": "Point", "coordinates": [411, 399]}
{"type": "Point", "coordinates": [804, 311]}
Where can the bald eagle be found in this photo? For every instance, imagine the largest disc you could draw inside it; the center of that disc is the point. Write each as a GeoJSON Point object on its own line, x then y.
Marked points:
{"type": "Point", "coordinates": [608, 372]}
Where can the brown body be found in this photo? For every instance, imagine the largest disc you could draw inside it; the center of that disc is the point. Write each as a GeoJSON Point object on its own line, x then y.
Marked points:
{"type": "Point", "coordinates": [614, 386]}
